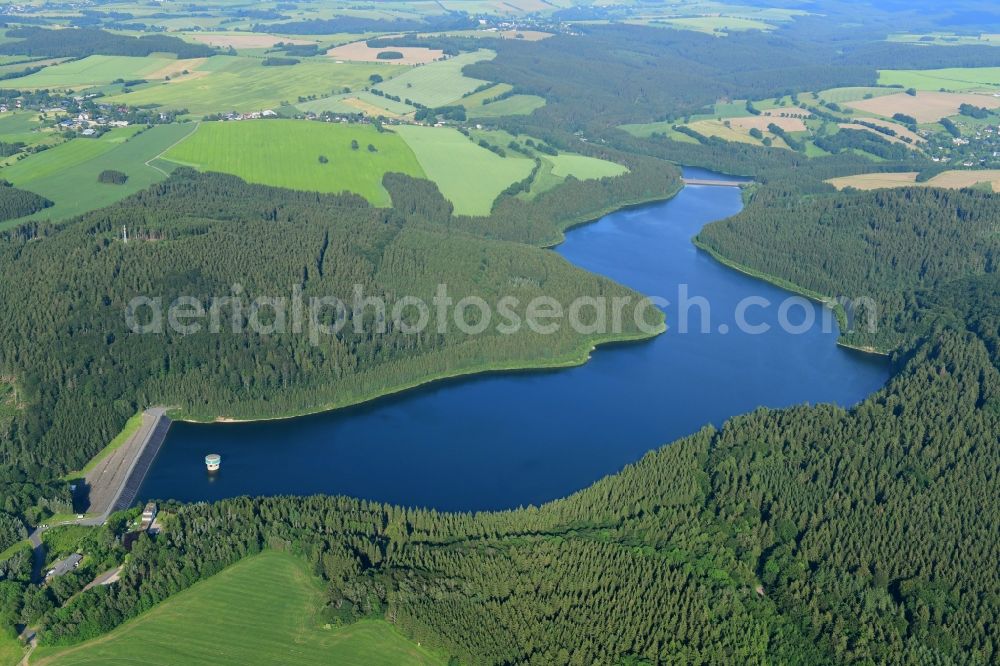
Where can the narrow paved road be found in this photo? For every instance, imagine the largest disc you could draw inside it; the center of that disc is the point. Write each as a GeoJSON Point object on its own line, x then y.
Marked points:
{"type": "Point", "coordinates": [716, 183]}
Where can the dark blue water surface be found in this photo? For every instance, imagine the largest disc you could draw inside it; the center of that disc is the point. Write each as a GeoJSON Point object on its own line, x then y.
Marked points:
{"type": "Point", "coordinates": [500, 441]}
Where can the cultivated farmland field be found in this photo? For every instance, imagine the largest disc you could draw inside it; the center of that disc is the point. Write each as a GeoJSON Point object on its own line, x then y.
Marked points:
{"type": "Point", "coordinates": [361, 52]}
{"type": "Point", "coordinates": [957, 79]}
{"type": "Point", "coordinates": [21, 126]}
{"type": "Point", "coordinates": [286, 153]}
{"type": "Point", "coordinates": [719, 129]}
{"type": "Point", "coordinates": [709, 24]}
{"type": "Point", "coordinates": [438, 83]}
{"type": "Point", "coordinates": [246, 40]}
{"type": "Point", "coordinates": [900, 130]}
{"type": "Point", "coordinates": [67, 174]}
{"type": "Point", "coordinates": [926, 107]}
{"type": "Point", "coordinates": [264, 609]}
{"type": "Point", "coordinates": [862, 128]}
{"type": "Point", "coordinates": [854, 93]}
{"type": "Point", "coordinates": [583, 167]}
{"type": "Point", "coordinates": [955, 179]}
{"type": "Point", "coordinates": [643, 130]}
{"type": "Point", "coordinates": [233, 83]}
{"type": "Point", "coordinates": [97, 70]}
{"type": "Point", "coordinates": [363, 101]}
{"type": "Point", "coordinates": [515, 105]}
{"type": "Point", "coordinates": [762, 122]}
{"type": "Point", "coordinates": [469, 176]}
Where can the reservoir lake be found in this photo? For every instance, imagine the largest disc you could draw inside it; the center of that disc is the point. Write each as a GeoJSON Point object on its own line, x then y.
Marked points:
{"type": "Point", "coordinates": [499, 441]}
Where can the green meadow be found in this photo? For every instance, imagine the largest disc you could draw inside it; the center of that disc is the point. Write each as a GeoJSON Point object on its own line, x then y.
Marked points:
{"type": "Point", "coordinates": [469, 176]}
{"type": "Point", "coordinates": [355, 102]}
{"type": "Point", "coordinates": [286, 153]}
{"type": "Point", "coordinates": [854, 93]}
{"type": "Point", "coordinates": [263, 610]}
{"type": "Point", "coordinates": [644, 130]}
{"type": "Point", "coordinates": [11, 651]}
{"type": "Point", "coordinates": [439, 83]}
{"type": "Point", "coordinates": [583, 167]}
{"type": "Point", "coordinates": [710, 24]}
{"type": "Point", "coordinates": [233, 83]}
{"type": "Point", "coordinates": [67, 174]}
{"type": "Point", "coordinates": [95, 70]}
{"type": "Point", "coordinates": [476, 99]}
{"type": "Point", "coordinates": [21, 126]}
{"type": "Point", "coordinates": [946, 39]}
{"type": "Point", "coordinates": [516, 105]}
{"type": "Point", "coordinates": [955, 79]}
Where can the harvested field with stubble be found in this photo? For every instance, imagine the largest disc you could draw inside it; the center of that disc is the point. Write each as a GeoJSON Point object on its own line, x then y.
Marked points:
{"type": "Point", "coordinates": [242, 41]}
{"type": "Point", "coordinates": [953, 180]}
{"type": "Point", "coordinates": [788, 111]}
{"type": "Point", "coordinates": [859, 126]}
{"type": "Point", "coordinates": [926, 107]}
{"type": "Point", "coordinates": [900, 130]}
{"type": "Point", "coordinates": [761, 122]}
{"type": "Point", "coordinates": [526, 35]}
{"type": "Point", "coordinates": [361, 52]}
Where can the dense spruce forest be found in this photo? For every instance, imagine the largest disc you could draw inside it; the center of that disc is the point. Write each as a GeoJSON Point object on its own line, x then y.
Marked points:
{"type": "Point", "coordinates": [82, 373]}
{"type": "Point", "coordinates": [886, 245]}
{"type": "Point", "coordinates": [15, 203]}
{"type": "Point", "coordinates": [83, 42]}
{"type": "Point", "coordinates": [814, 534]}
{"type": "Point", "coordinates": [636, 74]}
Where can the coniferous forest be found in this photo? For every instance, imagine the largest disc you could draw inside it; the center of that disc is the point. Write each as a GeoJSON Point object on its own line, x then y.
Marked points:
{"type": "Point", "coordinates": [814, 534]}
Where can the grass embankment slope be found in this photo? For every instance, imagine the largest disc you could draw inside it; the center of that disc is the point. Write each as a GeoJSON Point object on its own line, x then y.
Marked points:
{"type": "Point", "coordinates": [67, 174]}
{"type": "Point", "coordinates": [263, 610]}
{"type": "Point", "coordinates": [131, 426]}
{"type": "Point", "coordinates": [286, 153]}
{"type": "Point", "coordinates": [11, 651]}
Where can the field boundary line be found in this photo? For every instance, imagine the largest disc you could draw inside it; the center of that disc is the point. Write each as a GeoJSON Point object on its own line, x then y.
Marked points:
{"type": "Point", "coordinates": [165, 150]}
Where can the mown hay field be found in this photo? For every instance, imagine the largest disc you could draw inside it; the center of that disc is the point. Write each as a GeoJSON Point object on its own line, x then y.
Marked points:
{"type": "Point", "coordinates": [469, 176]}
{"type": "Point", "coordinates": [67, 174]}
{"type": "Point", "coordinates": [263, 610]}
{"type": "Point", "coordinates": [950, 78]}
{"type": "Point", "coordinates": [233, 83]}
{"type": "Point", "coordinates": [361, 52]}
{"type": "Point", "coordinates": [286, 153]}
{"type": "Point", "coordinates": [439, 83]}
{"type": "Point", "coordinates": [926, 107]}
{"type": "Point", "coordinates": [97, 70]}
{"type": "Point", "coordinates": [954, 179]}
